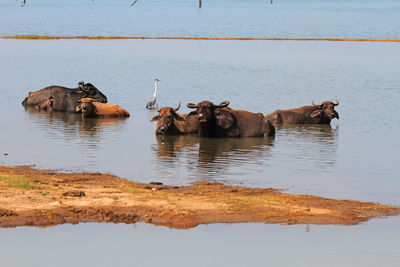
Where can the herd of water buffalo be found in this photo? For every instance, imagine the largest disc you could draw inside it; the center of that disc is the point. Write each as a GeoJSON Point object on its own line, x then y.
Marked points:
{"type": "Point", "coordinates": [207, 119]}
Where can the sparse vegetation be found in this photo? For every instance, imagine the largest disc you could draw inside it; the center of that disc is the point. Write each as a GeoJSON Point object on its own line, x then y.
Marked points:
{"type": "Point", "coordinates": [25, 190]}
{"type": "Point", "coordinates": [20, 182]}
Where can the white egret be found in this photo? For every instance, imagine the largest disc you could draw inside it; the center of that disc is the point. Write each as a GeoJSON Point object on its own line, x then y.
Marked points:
{"type": "Point", "coordinates": [152, 101]}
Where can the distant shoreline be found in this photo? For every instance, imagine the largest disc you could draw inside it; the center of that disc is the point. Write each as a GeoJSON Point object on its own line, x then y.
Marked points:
{"type": "Point", "coordinates": [45, 37]}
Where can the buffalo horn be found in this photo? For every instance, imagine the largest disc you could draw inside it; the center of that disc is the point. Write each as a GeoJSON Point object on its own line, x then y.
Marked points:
{"type": "Point", "coordinates": [176, 109]}
{"type": "Point", "coordinates": [158, 110]}
{"type": "Point", "coordinates": [222, 105]}
{"type": "Point", "coordinates": [315, 105]}
{"type": "Point", "coordinates": [191, 105]}
{"type": "Point", "coordinates": [337, 103]}
{"type": "Point", "coordinates": [81, 86]}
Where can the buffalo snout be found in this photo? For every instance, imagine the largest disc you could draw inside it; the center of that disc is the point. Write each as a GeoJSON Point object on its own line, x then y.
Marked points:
{"type": "Point", "coordinates": [201, 117]}
{"type": "Point", "coordinates": [162, 130]}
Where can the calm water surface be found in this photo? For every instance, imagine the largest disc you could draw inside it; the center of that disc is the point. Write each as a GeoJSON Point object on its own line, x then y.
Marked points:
{"type": "Point", "coordinates": [217, 18]}
{"type": "Point", "coordinates": [373, 244]}
{"type": "Point", "coordinates": [355, 158]}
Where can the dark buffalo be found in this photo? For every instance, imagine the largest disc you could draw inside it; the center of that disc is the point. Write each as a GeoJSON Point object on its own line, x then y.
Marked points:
{"type": "Point", "coordinates": [315, 114]}
{"type": "Point", "coordinates": [221, 121]}
{"type": "Point", "coordinates": [171, 123]}
{"type": "Point", "coordinates": [62, 98]}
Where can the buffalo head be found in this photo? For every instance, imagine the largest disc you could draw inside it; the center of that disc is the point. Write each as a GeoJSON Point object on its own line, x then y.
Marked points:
{"type": "Point", "coordinates": [90, 91]}
{"type": "Point", "coordinates": [165, 118]}
{"type": "Point", "coordinates": [86, 106]}
{"type": "Point", "coordinates": [205, 110]}
{"type": "Point", "coordinates": [325, 110]}
{"type": "Point", "coordinates": [214, 120]}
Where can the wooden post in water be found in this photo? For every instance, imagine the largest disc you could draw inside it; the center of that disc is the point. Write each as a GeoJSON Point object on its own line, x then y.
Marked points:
{"type": "Point", "coordinates": [199, 3]}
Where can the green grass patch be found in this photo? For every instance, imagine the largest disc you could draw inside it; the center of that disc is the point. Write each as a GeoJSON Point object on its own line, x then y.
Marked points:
{"type": "Point", "coordinates": [12, 179]}
{"type": "Point", "coordinates": [31, 36]}
{"type": "Point", "coordinates": [131, 189]}
{"type": "Point", "coordinates": [27, 186]}
{"type": "Point", "coordinates": [21, 182]}
{"type": "Point", "coordinates": [45, 193]}
{"type": "Point", "coordinates": [116, 197]}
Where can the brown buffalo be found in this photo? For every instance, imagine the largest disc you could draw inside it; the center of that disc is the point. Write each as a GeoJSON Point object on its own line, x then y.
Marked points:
{"type": "Point", "coordinates": [315, 114]}
{"type": "Point", "coordinates": [221, 121]}
{"type": "Point", "coordinates": [90, 108]}
{"type": "Point", "coordinates": [170, 123]}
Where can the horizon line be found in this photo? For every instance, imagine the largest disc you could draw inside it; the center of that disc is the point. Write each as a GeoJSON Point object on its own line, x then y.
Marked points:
{"type": "Point", "coordinates": [46, 37]}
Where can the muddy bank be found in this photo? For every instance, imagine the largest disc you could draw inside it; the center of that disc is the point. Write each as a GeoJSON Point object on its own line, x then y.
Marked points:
{"type": "Point", "coordinates": [31, 197]}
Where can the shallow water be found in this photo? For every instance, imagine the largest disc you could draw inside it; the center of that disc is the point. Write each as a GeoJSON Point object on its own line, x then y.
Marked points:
{"type": "Point", "coordinates": [217, 18]}
{"type": "Point", "coordinates": [354, 158]}
{"type": "Point", "coordinates": [372, 244]}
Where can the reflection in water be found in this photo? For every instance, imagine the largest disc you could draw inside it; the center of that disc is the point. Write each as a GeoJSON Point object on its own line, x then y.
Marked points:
{"type": "Point", "coordinates": [210, 156]}
{"type": "Point", "coordinates": [301, 147]}
{"type": "Point", "coordinates": [314, 143]}
{"type": "Point", "coordinates": [214, 150]}
{"type": "Point", "coordinates": [170, 145]}
{"type": "Point", "coordinates": [71, 126]}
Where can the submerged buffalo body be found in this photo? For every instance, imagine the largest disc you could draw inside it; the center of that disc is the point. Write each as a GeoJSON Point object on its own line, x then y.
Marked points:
{"type": "Point", "coordinates": [315, 114]}
{"type": "Point", "coordinates": [221, 121]}
{"type": "Point", "coordinates": [62, 98]}
{"type": "Point", "coordinates": [91, 108]}
{"type": "Point", "coordinates": [169, 122]}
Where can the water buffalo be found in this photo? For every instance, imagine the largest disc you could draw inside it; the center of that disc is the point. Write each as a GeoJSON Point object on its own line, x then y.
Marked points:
{"type": "Point", "coordinates": [64, 99]}
{"type": "Point", "coordinates": [91, 108]}
{"type": "Point", "coordinates": [171, 123]}
{"type": "Point", "coordinates": [221, 121]}
{"type": "Point", "coordinates": [46, 105]}
{"type": "Point", "coordinates": [315, 114]}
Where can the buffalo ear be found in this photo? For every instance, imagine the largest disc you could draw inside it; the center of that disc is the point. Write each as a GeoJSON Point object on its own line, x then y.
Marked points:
{"type": "Point", "coordinates": [178, 117]}
{"type": "Point", "coordinates": [316, 113]}
{"type": "Point", "coordinates": [225, 119]}
{"type": "Point", "coordinates": [191, 114]}
{"type": "Point", "coordinates": [155, 118]}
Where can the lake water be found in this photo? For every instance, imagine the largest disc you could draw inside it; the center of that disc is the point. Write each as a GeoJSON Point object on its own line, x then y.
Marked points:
{"type": "Point", "coordinates": [375, 243]}
{"type": "Point", "coordinates": [217, 18]}
{"type": "Point", "coordinates": [357, 157]}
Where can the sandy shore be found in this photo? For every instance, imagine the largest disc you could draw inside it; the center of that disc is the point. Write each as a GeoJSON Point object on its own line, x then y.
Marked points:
{"type": "Point", "coordinates": [30, 197]}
